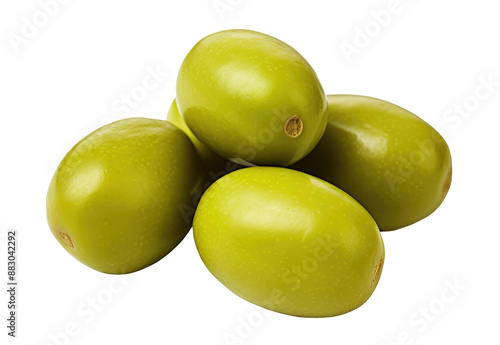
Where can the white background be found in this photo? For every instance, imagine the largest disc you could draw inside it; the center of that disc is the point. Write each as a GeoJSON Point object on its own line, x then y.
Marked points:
{"type": "Point", "coordinates": [68, 78]}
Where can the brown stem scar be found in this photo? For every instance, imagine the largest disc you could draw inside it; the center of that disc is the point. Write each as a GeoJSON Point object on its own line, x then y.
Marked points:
{"type": "Point", "coordinates": [294, 126]}
{"type": "Point", "coordinates": [65, 237]}
{"type": "Point", "coordinates": [377, 271]}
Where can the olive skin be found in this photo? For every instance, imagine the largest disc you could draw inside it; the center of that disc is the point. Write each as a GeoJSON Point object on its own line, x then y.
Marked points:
{"type": "Point", "coordinates": [392, 162]}
{"type": "Point", "coordinates": [289, 242]}
{"type": "Point", "coordinates": [251, 98]}
{"type": "Point", "coordinates": [122, 198]}
{"type": "Point", "coordinates": [215, 165]}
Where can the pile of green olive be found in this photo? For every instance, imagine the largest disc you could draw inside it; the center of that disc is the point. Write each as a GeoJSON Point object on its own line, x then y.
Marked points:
{"type": "Point", "coordinates": [286, 188]}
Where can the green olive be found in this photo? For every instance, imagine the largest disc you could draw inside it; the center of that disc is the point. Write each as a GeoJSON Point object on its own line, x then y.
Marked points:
{"type": "Point", "coordinates": [124, 196]}
{"type": "Point", "coordinates": [251, 98]}
{"type": "Point", "coordinates": [289, 242]}
{"type": "Point", "coordinates": [392, 162]}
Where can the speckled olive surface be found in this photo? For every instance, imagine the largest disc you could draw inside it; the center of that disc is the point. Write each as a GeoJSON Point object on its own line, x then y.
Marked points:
{"type": "Point", "coordinates": [122, 198]}
{"type": "Point", "coordinates": [289, 242]}
{"type": "Point", "coordinates": [392, 162]}
{"type": "Point", "coordinates": [215, 165]}
{"type": "Point", "coordinates": [251, 98]}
